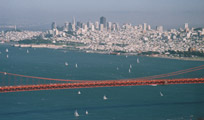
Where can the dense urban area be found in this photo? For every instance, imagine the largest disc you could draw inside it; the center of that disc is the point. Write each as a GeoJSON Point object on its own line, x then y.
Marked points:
{"type": "Point", "coordinates": [112, 38]}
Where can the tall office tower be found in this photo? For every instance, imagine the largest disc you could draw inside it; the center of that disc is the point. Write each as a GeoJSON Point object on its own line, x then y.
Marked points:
{"type": "Point", "coordinates": [114, 27]}
{"type": "Point", "coordinates": [148, 27]}
{"type": "Point", "coordinates": [73, 21]}
{"type": "Point", "coordinates": [66, 26]}
{"type": "Point", "coordinates": [70, 27]}
{"type": "Point", "coordinates": [186, 25]}
{"type": "Point", "coordinates": [73, 27]}
{"type": "Point", "coordinates": [92, 27]}
{"type": "Point", "coordinates": [117, 26]}
{"type": "Point", "coordinates": [159, 28]}
{"type": "Point", "coordinates": [103, 21]}
{"type": "Point", "coordinates": [89, 24]}
{"type": "Point", "coordinates": [109, 26]}
{"type": "Point", "coordinates": [85, 28]}
{"type": "Point", "coordinates": [144, 27]}
{"type": "Point", "coordinates": [101, 27]}
{"type": "Point", "coordinates": [79, 25]}
{"type": "Point", "coordinates": [54, 26]}
{"type": "Point", "coordinates": [97, 25]}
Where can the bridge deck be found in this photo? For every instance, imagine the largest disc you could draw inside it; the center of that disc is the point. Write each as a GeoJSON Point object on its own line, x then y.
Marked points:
{"type": "Point", "coordinates": [106, 83]}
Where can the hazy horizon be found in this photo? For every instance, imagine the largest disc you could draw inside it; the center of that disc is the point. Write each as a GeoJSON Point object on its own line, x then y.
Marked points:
{"type": "Point", "coordinates": [169, 13]}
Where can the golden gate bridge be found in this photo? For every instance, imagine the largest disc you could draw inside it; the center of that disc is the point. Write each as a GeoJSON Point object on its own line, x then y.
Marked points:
{"type": "Point", "coordinates": [17, 82]}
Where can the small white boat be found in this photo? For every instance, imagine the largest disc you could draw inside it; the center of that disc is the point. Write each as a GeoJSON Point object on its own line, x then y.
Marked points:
{"type": "Point", "coordinates": [104, 97]}
{"type": "Point", "coordinates": [76, 114]}
{"type": "Point", "coordinates": [87, 112]}
{"type": "Point", "coordinates": [7, 50]}
{"type": "Point", "coordinates": [5, 73]}
{"type": "Point", "coordinates": [76, 66]}
{"type": "Point", "coordinates": [7, 56]}
{"type": "Point", "coordinates": [66, 63]}
{"type": "Point", "coordinates": [130, 66]}
{"type": "Point", "coordinates": [126, 56]}
{"type": "Point", "coordinates": [138, 61]}
{"type": "Point", "coordinates": [79, 92]}
{"type": "Point", "coordinates": [117, 68]}
{"type": "Point", "coordinates": [161, 94]}
{"type": "Point", "coordinates": [129, 70]}
{"type": "Point", "coordinates": [27, 51]}
{"type": "Point", "coordinates": [153, 84]}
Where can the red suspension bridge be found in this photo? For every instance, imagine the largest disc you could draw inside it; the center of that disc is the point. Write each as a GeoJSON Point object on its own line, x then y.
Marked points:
{"type": "Point", "coordinates": [10, 82]}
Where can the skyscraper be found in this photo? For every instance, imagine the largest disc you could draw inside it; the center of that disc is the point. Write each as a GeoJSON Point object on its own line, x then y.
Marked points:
{"type": "Point", "coordinates": [144, 27]}
{"type": "Point", "coordinates": [109, 25]}
{"type": "Point", "coordinates": [54, 26]}
{"type": "Point", "coordinates": [186, 25]}
{"type": "Point", "coordinates": [97, 25]}
{"type": "Point", "coordinates": [103, 21]}
{"type": "Point", "coordinates": [66, 26]}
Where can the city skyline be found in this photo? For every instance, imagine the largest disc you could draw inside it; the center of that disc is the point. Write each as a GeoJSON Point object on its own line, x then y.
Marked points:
{"type": "Point", "coordinates": [169, 13]}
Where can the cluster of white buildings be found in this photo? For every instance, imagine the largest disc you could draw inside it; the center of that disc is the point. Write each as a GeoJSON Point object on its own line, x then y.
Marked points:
{"type": "Point", "coordinates": [129, 38]}
{"type": "Point", "coordinates": [18, 35]}
{"type": "Point", "coordinates": [108, 36]}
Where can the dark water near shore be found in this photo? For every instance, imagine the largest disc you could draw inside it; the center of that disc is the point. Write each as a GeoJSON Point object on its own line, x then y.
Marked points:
{"type": "Point", "coordinates": [180, 102]}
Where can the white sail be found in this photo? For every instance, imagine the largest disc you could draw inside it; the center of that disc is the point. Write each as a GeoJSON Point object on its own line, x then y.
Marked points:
{"type": "Point", "coordinates": [66, 63]}
{"type": "Point", "coordinates": [76, 66]}
{"type": "Point", "coordinates": [87, 112]}
{"type": "Point", "coordinates": [138, 61]}
{"type": "Point", "coordinates": [79, 92]}
{"type": "Point", "coordinates": [104, 97]}
{"type": "Point", "coordinates": [129, 70]}
{"type": "Point", "coordinates": [7, 56]}
{"type": "Point", "coordinates": [117, 68]}
{"type": "Point", "coordinates": [161, 94]}
{"type": "Point", "coordinates": [27, 51]}
{"type": "Point", "coordinates": [130, 66]}
{"type": "Point", "coordinates": [76, 114]}
{"type": "Point", "coordinates": [7, 50]}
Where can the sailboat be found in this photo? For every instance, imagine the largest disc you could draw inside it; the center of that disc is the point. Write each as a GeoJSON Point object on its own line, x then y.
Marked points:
{"type": "Point", "coordinates": [7, 56]}
{"type": "Point", "coordinates": [79, 92]}
{"type": "Point", "coordinates": [87, 112]}
{"type": "Point", "coordinates": [130, 66]}
{"type": "Point", "coordinates": [161, 94]}
{"type": "Point", "coordinates": [66, 63]}
{"type": "Point", "coordinates": [104, 97]}
{"type": "Point", "coordinates": [138, 61]}
{"type": "Point", "coordinates": [7, 50]}
{"type": "Point", "coordinates": [117, 68]}
{"type": "Point", "coordinates": [76, 114]}
{"type": "Point", "coordinates": [129, 70]}
{"type": "Point", "coordinates": [27, 51]}
{"type": "Point", "coordinates": [76, 66]}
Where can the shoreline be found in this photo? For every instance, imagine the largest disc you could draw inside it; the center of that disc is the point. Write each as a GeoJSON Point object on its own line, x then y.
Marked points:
{"type": "Point", "coordinates": [64, 47]}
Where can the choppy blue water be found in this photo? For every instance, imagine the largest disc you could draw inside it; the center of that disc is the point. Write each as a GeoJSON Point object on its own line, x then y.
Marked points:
{"type": "Point", "coordinates": [180, 102]}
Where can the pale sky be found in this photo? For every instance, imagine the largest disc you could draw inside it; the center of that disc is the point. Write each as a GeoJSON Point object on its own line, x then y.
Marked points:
{"type": "Point", "coordinates": [169, 13]}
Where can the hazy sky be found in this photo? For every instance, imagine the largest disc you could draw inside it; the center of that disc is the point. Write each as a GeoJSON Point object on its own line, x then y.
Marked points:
{"type": "Point", "coordinates": [170, 13]}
